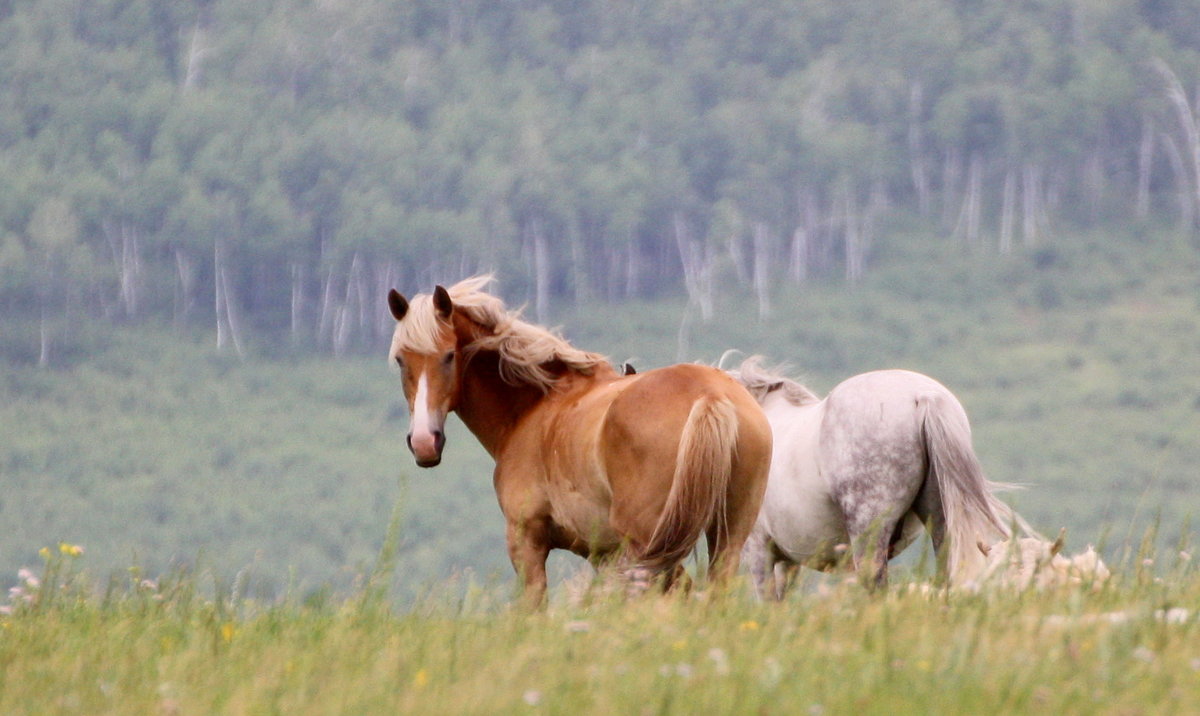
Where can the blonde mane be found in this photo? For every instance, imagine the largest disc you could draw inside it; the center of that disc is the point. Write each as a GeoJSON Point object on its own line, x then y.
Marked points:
{"type": "Point", "coordinates": [524, 348]}
{"type": "Point", "coordinates": [760, 381]}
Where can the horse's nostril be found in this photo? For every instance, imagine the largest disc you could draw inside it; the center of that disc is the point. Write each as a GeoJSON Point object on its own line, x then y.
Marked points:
{"type": "Point", "coordinates": [408, 439]}
{"type": "Point", "coordinates": [439, 440]}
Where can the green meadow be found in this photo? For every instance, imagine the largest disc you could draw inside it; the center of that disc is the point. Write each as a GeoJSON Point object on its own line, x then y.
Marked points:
{"type": "Point", "coordinates": [234, 517]}
{"type": "Point", "coordinates": [163, 648]}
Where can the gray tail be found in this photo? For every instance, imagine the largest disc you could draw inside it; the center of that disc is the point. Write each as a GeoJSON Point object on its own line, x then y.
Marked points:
{"type": "Point", "coordinates": [972, 512]}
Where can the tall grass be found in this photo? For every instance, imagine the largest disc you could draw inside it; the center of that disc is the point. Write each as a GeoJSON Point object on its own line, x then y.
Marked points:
{"type": "Point", "coordinates": [176, 646]}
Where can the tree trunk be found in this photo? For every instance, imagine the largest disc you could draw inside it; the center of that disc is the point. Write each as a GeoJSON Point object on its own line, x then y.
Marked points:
{"type": "Point", "coordinates": [196, 54]}
{"type": "Point", "coordinates": [1093, 182]}
{"type": "Point", "coordinates": [43, 339]}
{"type": "Point", "coordinates": [185, 296]}
{"type": "Point", "coordinates": [1007, 209]}
{"type": "Point", "coordinates": [1182, 181]}
{"type": "Point", "coordinates": [1189, 153]}
{"type": "Point", "coordinates": [967, 227]}
{"type": "Point", "coordinates": [916, 149]}
{"type": "Point", "coordinates": [1031, 192]}
{"type": "Point", "coordinates": [1145, 165]}
{"type": "Point", "coordinates": [228, 324]}
{"type": "Point", "coordinates": [697, 266]}
{"type": "Point", "coordinates": [122, 242]}
{"type": "Point", "coordinates": [328, 311]}
{"type": "Point", "coordinates": [798, 256]}
{"type": "Point", "coordinates": [297, 305]}
{"type": "Point", "coordinates": [762, 268]}
{"type": "Point", "coordinates": [951, 178]}
{"type": "Point", "coordinates": [632, 268]}
{"type": "Point", "coordinates": [854, 249]}
{"type": "Point", "coordinates": [541, 269]}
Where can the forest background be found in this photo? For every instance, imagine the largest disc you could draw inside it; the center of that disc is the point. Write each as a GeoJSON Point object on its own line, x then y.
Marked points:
{"type": "Point", "coordinates": [202, 203]}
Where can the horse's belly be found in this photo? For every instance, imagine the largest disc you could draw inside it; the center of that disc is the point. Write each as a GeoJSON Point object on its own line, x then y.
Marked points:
{"type": "Point", "coordinates": [798, 512]}
{"type": "Point", "coordinates": [583, 518]}
{"type": "Point", "coordinates": [807, 527]}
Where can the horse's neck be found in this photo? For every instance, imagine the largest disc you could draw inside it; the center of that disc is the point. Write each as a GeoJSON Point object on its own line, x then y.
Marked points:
{"type": "Point", "coordinates": [490, 407]}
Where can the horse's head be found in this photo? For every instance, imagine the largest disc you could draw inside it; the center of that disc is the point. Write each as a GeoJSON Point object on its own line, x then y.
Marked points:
{"type": "Point", "coordinates": [425, 349]}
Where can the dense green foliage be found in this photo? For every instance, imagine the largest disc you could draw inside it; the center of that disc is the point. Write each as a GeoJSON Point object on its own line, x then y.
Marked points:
{"type": "Point", "coordinates": [163, 647]}
{"type": "Point", "coordinates": [274, 165]}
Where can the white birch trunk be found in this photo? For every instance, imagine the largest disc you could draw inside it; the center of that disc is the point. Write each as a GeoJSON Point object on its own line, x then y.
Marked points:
{"type": "Point", "coordinates": [1182, 181]}
{"type": "Point", "coordinates": [697, 266]}
{"type": "Point", "coordinates": [1189, 123]}
{"type": "Point", "coordinates": [1007, 209]}
{"type": "Point", "coordinates": [916, 149]}
{"type": "Point", "coordinates": [967, 227]}
{"type": "Point", "coordinates": [1145, 166]}
{"type": "Point", "coordinates": [197, 51]}
{"type": "Point", "coordinates": [186, 297]}
{"type": "Point", "coordinates": [762, 268]}
{"type": "Point", "coordinates": [798, 256]}
{"type": "Point", "coordinates": [1031, 191]}
{"type": "Point", "coordinates": [951, 178]}
{"type": "Point", "coordinates": [854, 249]}
{"type": "Point", "coordinates": [43, 339]}
{"type": "Point", "coordinates": [297, 305]}
{"type": "Point", "coordinates": [541, 269]}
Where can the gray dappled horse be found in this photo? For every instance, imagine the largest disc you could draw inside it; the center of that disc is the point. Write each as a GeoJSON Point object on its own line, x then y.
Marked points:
{"type": "Point", "coordinates": [882, 455]}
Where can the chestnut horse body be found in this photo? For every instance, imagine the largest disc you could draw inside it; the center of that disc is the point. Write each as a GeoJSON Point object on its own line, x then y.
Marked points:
{"type": "Point", "coordinates": [587, 460]}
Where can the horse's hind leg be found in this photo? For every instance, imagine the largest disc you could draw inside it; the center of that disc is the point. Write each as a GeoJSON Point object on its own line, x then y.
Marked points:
{"type": "Point", "coordinates": [784, 577]}
{"type": "Point", "coordinates": [870, 548]}
{"type": "Point", "coordinates": [928, 508]}
{"type": "Point", "coordinates": [760, 560]}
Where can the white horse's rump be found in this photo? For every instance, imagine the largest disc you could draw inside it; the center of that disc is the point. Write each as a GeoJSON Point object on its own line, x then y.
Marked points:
{"type": "Point", "coordinates": [883, 454]}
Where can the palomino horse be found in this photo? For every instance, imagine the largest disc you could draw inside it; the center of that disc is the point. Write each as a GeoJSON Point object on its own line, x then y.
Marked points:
{"type": "Point", "coordinates": [884, 454]}
{"type": "Point", "coordinates": [586, 459]}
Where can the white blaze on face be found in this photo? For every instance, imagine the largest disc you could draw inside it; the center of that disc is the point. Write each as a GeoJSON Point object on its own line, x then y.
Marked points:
{"type": "Point", "coordinates": [424, 445]}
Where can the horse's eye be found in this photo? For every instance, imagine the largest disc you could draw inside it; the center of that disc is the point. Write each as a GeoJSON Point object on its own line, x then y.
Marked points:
{"type": "Point", "coordinates": [448, 358]}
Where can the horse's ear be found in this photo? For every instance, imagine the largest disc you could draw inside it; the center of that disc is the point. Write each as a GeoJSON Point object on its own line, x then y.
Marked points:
{"type": "Point", "coordinates": [1058, 543]}
{"type": "Point", "coordinates": [983, 547]}
{"type": "Point", "coordinates": [442, 302]}
{"type": "Point", "coordinates": [774, 386]}
{"type": "Point", "coordinates": [629, 369]}
{"type": "Point", "coordinates": [397, 304]}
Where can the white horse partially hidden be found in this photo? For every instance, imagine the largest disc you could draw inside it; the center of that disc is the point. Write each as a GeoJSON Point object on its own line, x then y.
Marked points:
{"type": "Point", "coordinates": [882, 455]}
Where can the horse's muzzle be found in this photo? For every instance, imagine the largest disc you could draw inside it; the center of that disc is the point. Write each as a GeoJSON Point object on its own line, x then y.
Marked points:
{"type": "Point", "coordinates": [428, 451]}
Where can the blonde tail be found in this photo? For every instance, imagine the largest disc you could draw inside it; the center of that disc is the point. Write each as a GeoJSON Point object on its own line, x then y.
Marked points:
{"type": "Point", "coordinates": [703, 466]}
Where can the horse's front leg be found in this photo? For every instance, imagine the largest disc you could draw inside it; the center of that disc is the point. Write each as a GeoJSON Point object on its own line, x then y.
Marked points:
{"type": "Point", "coordinates": [528, 547]}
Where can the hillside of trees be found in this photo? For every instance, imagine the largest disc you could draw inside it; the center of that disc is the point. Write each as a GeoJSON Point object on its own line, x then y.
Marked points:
{"type": "Point", "coordinates": [270, 167]}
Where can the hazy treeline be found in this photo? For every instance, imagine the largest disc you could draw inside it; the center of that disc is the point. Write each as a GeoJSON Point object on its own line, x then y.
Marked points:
{"type": "Point", "coordinates": [274, 165]}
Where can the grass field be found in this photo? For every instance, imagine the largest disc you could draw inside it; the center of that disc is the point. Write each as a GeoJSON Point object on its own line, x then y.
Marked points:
{"type": "Point", "coordinates": [1078, 363]}
{"type": "Point", "coordinates": [172, 646]}
{"type": "Point", "coordinates": [253, 498]}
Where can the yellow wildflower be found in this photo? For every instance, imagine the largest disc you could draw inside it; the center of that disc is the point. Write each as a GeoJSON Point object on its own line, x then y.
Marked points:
{"type": "Point", "coordinates": [748, 626]}
{"type": "Point", "coordinates": [70, 550]}
{"type": "Point", "coordinates": [227, 631]}
{"type": "Point", "coordinates": [421, 678]}
{"type": "Point", "coordinates": [44, 553]}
